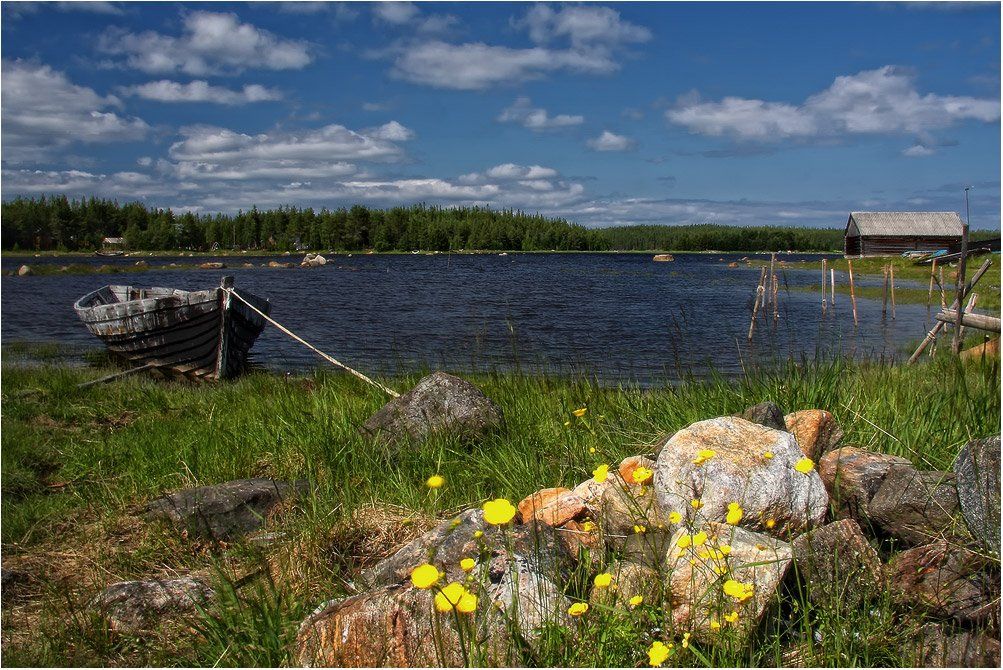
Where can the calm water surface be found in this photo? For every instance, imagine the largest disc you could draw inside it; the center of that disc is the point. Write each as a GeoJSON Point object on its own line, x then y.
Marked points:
{"type": "Point", "coordinates": [618, 316]}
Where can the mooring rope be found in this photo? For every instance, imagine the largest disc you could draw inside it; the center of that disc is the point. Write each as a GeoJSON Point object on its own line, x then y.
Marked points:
{"type": "Point", "coordinates": [330, 359]}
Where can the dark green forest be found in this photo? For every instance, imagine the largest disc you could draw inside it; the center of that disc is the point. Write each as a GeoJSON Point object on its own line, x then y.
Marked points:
{"type": "Point", "coordinates": [58, 223]}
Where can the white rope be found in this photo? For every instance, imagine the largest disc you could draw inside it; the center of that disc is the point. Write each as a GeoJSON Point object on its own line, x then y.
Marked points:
{"type": "Point", "coordinates": [330, 359]}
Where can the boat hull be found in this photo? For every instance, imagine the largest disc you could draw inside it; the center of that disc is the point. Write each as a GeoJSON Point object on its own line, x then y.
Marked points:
{"type": "Point", "coordinates": [198, 335]}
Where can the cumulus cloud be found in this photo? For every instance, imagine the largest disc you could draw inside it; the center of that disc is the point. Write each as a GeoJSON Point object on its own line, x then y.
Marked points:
{"type": "Point", "coordinates": [18, 9]}
{"type": "Point", "coordinates": [918, 151]}
{"type": "Point", "coordinates": [870, 102]}
{"type": "Point", "coordinates": [392, 132]}
{"type": "Point", "coordinates": [608, 141]}
{"type": "Point", "coordinates": [130, 185]}
{"type": "Point", "coordinates": [397, 13]}
{"type": "Point", "coordinates": [585, 26]}
{"type": "Point", "coordinates": [210, 43]}
{"type": "Point", "coordinates": [43, 111]}
{"type": "Point", "coordinates": [199, 90]}
{"type": "Point", "coordinates": [537, 118]}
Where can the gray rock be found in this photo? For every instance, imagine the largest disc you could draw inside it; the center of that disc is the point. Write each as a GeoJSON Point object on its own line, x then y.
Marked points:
{"type": "Point", "coordinates": [945, 580]}
{"type": "Point", "coordinates": [25, 271]}
{"type": "Point", "coordinates": [631, 579]}
{"type": "Point", "coordinates": [223, 511]}
{"type": "Point", "coordinates": [623, 506]}
{"type": "Point", "coordinates": [838, 565]}
{"type": "Point", "coordinates": [852, 476]}
{"type": "Point", "coordinates": [978, 479]}
{"type": "Point", "coordinates": [768, 489]}
{"type": "Point", "coordinates": [439, 403]}
{"type": "Point", "coordinates": [935, 647]}
{"type": "Point", "coordinates": [766, 414]}
{"type": "Point", "coordinates": [917, 507]}
{"type": "Point", "coordinates": [132, 607]}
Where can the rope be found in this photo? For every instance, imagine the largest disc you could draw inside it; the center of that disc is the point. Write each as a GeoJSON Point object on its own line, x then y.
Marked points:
{"type": "Point", "coordinates": [330, 359]}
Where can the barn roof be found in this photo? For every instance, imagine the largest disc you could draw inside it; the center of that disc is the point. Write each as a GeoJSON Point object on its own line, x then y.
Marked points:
{"type": "Point", "coordinates": [939, 224]}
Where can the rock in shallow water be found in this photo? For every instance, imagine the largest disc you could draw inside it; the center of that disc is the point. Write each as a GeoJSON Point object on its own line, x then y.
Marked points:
{"type": "Point", "coordinates": [978, 480]}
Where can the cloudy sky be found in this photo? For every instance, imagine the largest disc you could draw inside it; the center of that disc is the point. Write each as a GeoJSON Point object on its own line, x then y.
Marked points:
{"type": "Point", "coordinates": [606, 114]}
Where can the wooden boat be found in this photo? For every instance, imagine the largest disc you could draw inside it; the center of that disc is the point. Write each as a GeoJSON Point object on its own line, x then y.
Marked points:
{"type": "Point", "coordinates": [199, 335]}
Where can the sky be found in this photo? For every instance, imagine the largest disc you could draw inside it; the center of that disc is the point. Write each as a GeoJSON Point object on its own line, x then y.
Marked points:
{"type": "Point", "coordinates": [601, 113]}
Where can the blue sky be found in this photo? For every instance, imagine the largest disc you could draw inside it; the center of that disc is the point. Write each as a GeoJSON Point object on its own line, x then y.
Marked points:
{"type": "Point", "coordinates": [604, 113]}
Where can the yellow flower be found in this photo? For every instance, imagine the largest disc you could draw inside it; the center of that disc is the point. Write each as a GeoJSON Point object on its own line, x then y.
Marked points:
{"type": "Point", "coordinates": [425, 576]}
{"type": "Point", "coordinates": [467, 604]}
{"type": "Point", "coordinates": [740, 591]}
{"type": "Point", "coordinates": [704, 455]}
{"type": "Point", "coordinates": [639, 529]}
{"type": "Point", "coordinates": [720, 569]}
{"type": "Point", "coordinates": [770, 523]}
{"type": "Point", "coordinates": [635, 601]}
{"type": "Point", "coordinates": [580, 412]}
{"type": "Point", "coordinates": [686, 640]}
{"type": "Point", "coordinates": [478, 534]}
{"type": "Point", "coordinates": [696, 503]}
{"type": "Point", "coordinates": [725, 549]}
{"type": "Point", "coordinates": [642, 475]}
{"type": "Point", "coordinates": [578, 609]}
{"type": "Point", "coordinates": [805, 465]}
{"type": "Point", "coordinates": [498, 512]}
{"type": "Point", "coordinates": [592, 450]}
{"type": "Point", "coordinates": [699, 538]}
{"type": "Point", "coordinates": [715, 625]}
{"type": "Point", "coordinates": [675, 517]}
{"type": "Point", "coordinates": [601, 473]}
{"type": "Point", "coordinates": [731, 618]}
{"type": "Point", "coordinates": [435, 481]}
{"type": "Point", "coordinates": [467, 564]}
{"type": "Point", "coordinates": [567, 423]}
{"type": "Point", "coordinates": [684, 541]}
{"type": "Point", "coordinates": [449, 596]}
{"type": "Point", "coordinates": [602, 580]}
{"type": "Point", "coordinates": [588, 526]}
{"type": "Point", "coordinates": [767, 455]}
{"type": "Point", "coordinates": [734, 513]}
{"type": "Point", "coordinates": [658, 653]}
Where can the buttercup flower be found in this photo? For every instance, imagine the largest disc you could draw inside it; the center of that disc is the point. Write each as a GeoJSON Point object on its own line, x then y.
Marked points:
{"type": "Point", "coordinates": [449, 597]}
{"type": "Point", "coordinates": [642, 475]}
{"type": "Point", "coordinates": [740, 591]}
{"type": "Point", "coordinates": [731, 618]}
{"type": "Point", "coordinates": [580, 412]}
{"type": "Point", "coordinates": [675, 517]}
{"type": "Point", "coordinates": [578, 609]}
{"type": "Point", "coordinates": [435, 481]}
{"type": "Point", "coordinates": [467, 564]}
{"type": "Point", "coordinates": [767, 455]}
{"type": "Point", "coordinates": [686, 640]}
{"type": "Point", "coordinates": [696, 503]}
{"type": "Point", "coordinates": [805, 465]}
{"type": "Point", "coordinates": [684, 541]}
{"type": "Point", "coordinates": [467, 604]}
{"type": "Point", "coordinates": [498, 512]}
{"type": "Point", "coordinates": [699, 538]}
{"type": "Point", "coordinates": [589, 526]}
{"type": "Point", "coordinates": [734, 513]}
{"type": "Point", "coordinates": [602, 580]}
{"type": "Point", "coordinates": [725, 549]}
{"type": "Point", "coordinates": [715, 624]}
{"type": "Point", "coordinates": [425, 576]}
{"type": "Point", "coordinates": [601, 473]}
{"type": "Point", "coordinates": [658, 653]}
{"type": "Point", "coordinates": [639, 529]}
{"type": "Point", "coordinates": [703, 456]}
{"type": "Point", "coordinates": [478, 534]}
{"type": "Point", "coordinates": [770, 523]}
{"type": "Point", "coordinates": [592, 450]}
{"type": "Point", "coordinates": [567, 423]}
{"type": "Point", "coordinates": [635, 601]}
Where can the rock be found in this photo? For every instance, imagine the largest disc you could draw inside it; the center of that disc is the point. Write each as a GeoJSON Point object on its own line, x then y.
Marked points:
{"type": "Point", "coordinates": [553, 507]}
{"type": "Point", "coordinates": [696, 577]}
{"type": "Point", "coordinates": [945, 580]}
{"type": "Point", "coordinates": [766, 414]}
{"type": "Point", "coordinates": [663, 258]}
{"type": "Point", "coordinates": [277, 264]}
{"type": "Point", "coordinates": [453, 540]}
{"type": "Point", "coordinates": [141, 264]}
{"type": "Point", "coordinates": [917, 507]}
{"type": "Point", "coordinates": [630, 579]}
{"type": "Point", "coordinates": [622, 507]}
{"type": "Point", "coordinates": [25, 271]}
{"type": "Point", "coordinates": [852, 476]}
{"type": "Point", "coordinates": [934, 647]}
{"type": "Point", "coordinates": [248, 265]}
{"type": "Point", "coordinates": [632, 463]}
{"type": "Point", "coordinates": [440, 403]}
{"type": "Point", "coordinates": [978, 484]}
{"type": "Point", "coordinates": [592, 491]}
{"type": "Point", "coordinates": [313, 261]}
{"type": "Point", "coordinates": [733, 264]}
{"type": "Point", "coordinates": [768, 489]}
{"type": "Point", "coordinates": [131, 607]}
{"type": "Point", "coordinates": [223, 511]}
{"type": "Point", "coordinates": [838, 565]}
{"type": "Point", "coordinates": [212, 265]}
{"type": "Point", "coordinates": [815, 430]}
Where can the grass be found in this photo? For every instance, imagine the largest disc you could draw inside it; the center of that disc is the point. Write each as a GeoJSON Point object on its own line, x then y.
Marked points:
{"type": "Point", "coordinates": [78, 464]}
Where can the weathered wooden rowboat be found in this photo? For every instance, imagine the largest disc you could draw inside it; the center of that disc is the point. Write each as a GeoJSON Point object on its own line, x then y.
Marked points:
{"type": "Point", "coordinates": [199, 335]}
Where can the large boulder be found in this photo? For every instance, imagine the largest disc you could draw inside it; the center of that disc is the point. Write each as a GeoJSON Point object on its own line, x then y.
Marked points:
{"type": "Point", "coordinates": [945, 580]}
{"type": "Point", "coordinates": [132, 607]}
{"type": "Point", "coordinates": [936, 647]}
{"type": "Point", "coordinates": [852, 476]}
{"type": "Point", "coordinates": [838, 565]}
{"type": "Point", "coordinates": [223, 511]}
{"type": "Point", "coordinates": [917, 507]}
{"type": "Point", "coordinates": [313, 261]}
{"type": "Point", "coordinates": [751, 465]}
{"type": "Point", "coordinates": [624, 508]}
{"type": "Point", "coordinates": [815, 430]}
{"type": "Point", "coordinates": [439, 403]}
{"type": "Point", "coordinates": [766, 414]}
{"type": "Point", "coordinates": [978, 481]}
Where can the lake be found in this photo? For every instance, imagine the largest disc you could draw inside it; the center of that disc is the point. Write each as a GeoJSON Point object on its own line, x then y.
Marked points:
{"type": "Point", "coordinates": [618, 316]}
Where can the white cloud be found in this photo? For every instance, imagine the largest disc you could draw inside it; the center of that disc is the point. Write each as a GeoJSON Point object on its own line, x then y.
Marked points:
{"type": "Point", "coordinates": [144, 161]}
{"type": "Point", "coordinates": [585, 26]}
{"type": "Point", "coordinates": [79, 182]}
{"type": "Point", "coordinates": [375, 106]}
{"type": "Point", "coordinates": [870, 102]}
{"type": "Point", "coordinates": [608, 141]}
{"type": "Point", "coordinates": [918, 151]}
{"type": "Point", "coordinates": [536, 118]}
{"type": "Point", "coordinates": [17, 9]}
{"type": "Point", "coordinates": [407, 14]}
{"type": "Point", "coordinates": [210, 43]}
{"type": "Point", "coordinates": [397, 13]}
{"type": "Point", "coordinates": [392, 132]}
{"type": "Point", "coordinates": [165, 90]}
{"type": "Point", "coordinates": [43, 111]}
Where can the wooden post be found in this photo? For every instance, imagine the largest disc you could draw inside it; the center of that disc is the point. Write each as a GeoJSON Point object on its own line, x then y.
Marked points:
{"type": "Point", "coordinates": [832, 286]}
{"type": "Point", "coordinates": [929, 293]}
{"type": "Point", "coordinates": [968, 309]}
{"type": "Point", "coordinates": [823, 286]}
{"type": "Point", "coordinates": [884, 302]}
{"type": "Point", "coordinates": [943, 299]}
{"type": "Point", "coordinates": [962, 262]}
{"type": "Point", "coordinates": [773, 261]}
{"type": "Point", "coordinates": [776, 294]}
{"type": "Point", "coordinates": [932, 335]}
{"type": "Point", "coordinates": [759, 297]}
{"type": "Point", "coordinates": [853, 298]}
{"type": "Point", "coordinates": [891, 274]}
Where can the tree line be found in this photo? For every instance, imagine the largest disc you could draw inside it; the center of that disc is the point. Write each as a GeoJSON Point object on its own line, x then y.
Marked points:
{"type": "Point", "coordinates": [59, 223]}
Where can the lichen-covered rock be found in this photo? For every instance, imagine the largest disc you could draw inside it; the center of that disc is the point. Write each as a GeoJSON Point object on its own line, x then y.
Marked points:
{"type": "Point", "coordinates": [132, 607]}
{"type": "Point", "coordinates": [852, 476]}
{"type": "Point", "coordinates": [439, 403]}
{"type": "Point", "coordinates": [745, 463]}
{"type": "Point", "coordinates": [978, 483]}
{"type": "Point", "coordinates": [630, 579]}
{"type": "Point", "coordinates": [815, 430]}
{"type": "Point", "coordinates": [766, 414]}
{"type": "Point", "coordinates": [935, 647]}
{"type": "Point", "coordinates": [838, 565]}
{"type": "Point", "coordinates": [945, 580]}
{"type": "Point", "coordinates": [630, 465]}
{"type": "Point", "coordinates": [554, 506]}
{"type": "Point", "coordinates": [624, 506]}
{"type": "Point", "coordinates": [700, 573]}
{"type": "Point", "coordinates": [917, 507]}
{"type": "Point", "coordinates": [223, 511]}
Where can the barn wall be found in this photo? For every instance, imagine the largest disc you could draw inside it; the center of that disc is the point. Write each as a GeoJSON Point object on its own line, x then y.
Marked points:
{"type": "Point", "coordinates": [893, 246]}
{"type": "Point", "coordinates": [851, 246]}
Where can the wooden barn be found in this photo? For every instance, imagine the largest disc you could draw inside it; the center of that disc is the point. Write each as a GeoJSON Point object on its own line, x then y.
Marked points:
{"type": "Point", "coordinates": [891, 233]}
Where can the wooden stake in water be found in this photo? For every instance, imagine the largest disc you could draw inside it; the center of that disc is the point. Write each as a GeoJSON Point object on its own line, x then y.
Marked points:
{"type": "Point", "coordinates": [832, 286]}
{"type": "Point", "coordinates": [929, 293]}
{"type": "Point", "coordinates": [891, 274]}
{"type": "Point", "coordinates": [853, 298]}
{"type": "Point", "coordinates": [776, 293]}
{"type": "Point", "coordinates": [760, 288]}
{"type": "Point", "coordinates": [932, 335]}
{"type": "Point", "coordinates": [773, 261]}
{"type": "Point", "coordinates": [823, 286]}
{"type": "Point", "coordinates": [971, 305]}
{"type": "Point", "coordinates": [884, 302]}
{"type": "Point", "coordinates": [943, 299]}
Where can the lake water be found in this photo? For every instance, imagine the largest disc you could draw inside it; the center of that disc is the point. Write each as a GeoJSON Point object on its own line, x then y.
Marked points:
{"type": "Point", "coordinates": [617, 316]}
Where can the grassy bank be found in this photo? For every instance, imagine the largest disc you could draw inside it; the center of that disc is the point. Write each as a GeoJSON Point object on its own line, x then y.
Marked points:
{"type": "Point", "coordinates": [78, 465]}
